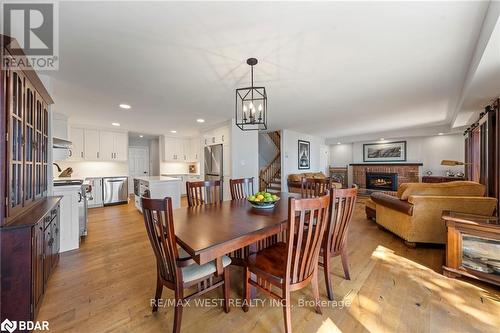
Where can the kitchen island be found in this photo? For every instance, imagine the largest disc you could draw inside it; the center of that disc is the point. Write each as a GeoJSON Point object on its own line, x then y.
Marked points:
{"type": "Point", "coordinates": [158, 187]}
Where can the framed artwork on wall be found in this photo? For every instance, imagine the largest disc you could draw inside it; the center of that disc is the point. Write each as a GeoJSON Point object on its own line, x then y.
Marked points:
{"type": "Point", "coordinates": [384, 152]}
{"type": "Point", "coordinates": [304, 154]}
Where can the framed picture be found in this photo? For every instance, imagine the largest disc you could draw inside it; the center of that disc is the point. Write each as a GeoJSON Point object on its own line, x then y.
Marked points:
{"type": "Point", "coordinates": [304, 154]}
{"type": "Point", "coordinates": [384, 152]}
{"type": "Point", "coordinates": [339, 175]}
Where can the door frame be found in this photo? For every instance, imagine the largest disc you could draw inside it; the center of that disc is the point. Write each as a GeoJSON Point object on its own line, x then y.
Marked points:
{"type": "Point", "coordinates": [131, 177]}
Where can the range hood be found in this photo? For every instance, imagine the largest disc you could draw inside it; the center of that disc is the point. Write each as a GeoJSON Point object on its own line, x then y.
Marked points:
{"type": "Point", "coordinates": [61, 143]}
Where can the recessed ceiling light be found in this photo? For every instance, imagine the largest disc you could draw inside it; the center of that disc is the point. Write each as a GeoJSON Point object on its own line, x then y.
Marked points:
{"type": "Point", "coordinates": [440, 133]}
{"type": "Point", "coordinates": [200, 120]}
{"type": "Point", "coordinates": [125, 106]}
{"type": "Point", "coordinates": [115, 124]}
{"type": "Point", "coordinates": [338, 143]}
{"type": "Point", "coordinates": [141, 136]}
{"type": "Point", "coordinates": [173, 131]}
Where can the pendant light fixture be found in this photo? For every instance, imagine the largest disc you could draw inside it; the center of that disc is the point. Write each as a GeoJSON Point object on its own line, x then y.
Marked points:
{"type": "Point", "coordinates": [251, 105]}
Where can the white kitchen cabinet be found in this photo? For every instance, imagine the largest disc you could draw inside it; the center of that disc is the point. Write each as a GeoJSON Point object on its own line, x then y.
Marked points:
{"type": "Point", "coordinates": [113, 146]}
{"type": "Point", "coordinates": [70, 226]}
{"type": "Point", "coordinates": [92, 144]}
{"type": "Point", "coordinates": [94, 198]}
{"type": "Point", "coordinates": [120, 146]}
{"type": "Point", "coordinates": [77, 138]}
{"type": "Point", "coordinates": [217, 136]}
{"type": "Point", "coordinates": [194, 150]}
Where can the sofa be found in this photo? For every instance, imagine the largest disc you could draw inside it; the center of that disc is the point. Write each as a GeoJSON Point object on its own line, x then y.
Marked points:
{"type": "Point", "coordinates": [295, 185]}
{"type": "Point", "coordinates": [414, 213]}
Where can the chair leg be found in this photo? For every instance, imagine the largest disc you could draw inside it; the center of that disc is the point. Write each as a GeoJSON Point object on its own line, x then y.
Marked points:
{"type": "Point", "coordinates": [179, 305]}
{"type": "Point", "coordinates": [159, 289]}
{"type": "Point", "coordinates": [287, 311]}
{"type": "Point", "coordinates": [328, 278]}
{"type": "Point", "coordinates": [246, 286]}
{"type": "Point", "coordinates": [315, 288]}
{"type": "Point", "coordinates": [345, 262]}
{"type": "Point", "coordinates": [227, 289]}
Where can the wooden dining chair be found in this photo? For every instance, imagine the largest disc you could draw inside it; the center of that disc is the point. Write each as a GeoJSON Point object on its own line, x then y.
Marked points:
{"type": "Point", "coordinates": [203, 193]}
{"type": "Point", "coordinates": [175, 269]}
{"type": "Point", "coordinates": [241, 188]}
{"type": "Point", "coordinates": [342, 203]}
{"type": "Point", "coordinates": [311, 188]}
{"type": "Point", "coordinates": [293, 264]}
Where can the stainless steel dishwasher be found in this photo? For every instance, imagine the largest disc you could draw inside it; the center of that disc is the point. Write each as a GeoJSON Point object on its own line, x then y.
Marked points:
{"type": "Point", "coordinates": [114, 190]}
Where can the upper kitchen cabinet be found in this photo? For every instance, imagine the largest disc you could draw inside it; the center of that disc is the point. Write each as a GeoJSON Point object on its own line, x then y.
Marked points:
{"type": "Point", "coordinates": [77, 138]}
{"type": "Point", "coordinates": [113, 146]}
{"type": "Point", "coordinates": [179, 149]}
{"type": "Point", "coordinates": [92, 144]}
{"type": "Point", "coordinates": [194, 150]}
{"type": "Point", "coordinates": [216, 136]}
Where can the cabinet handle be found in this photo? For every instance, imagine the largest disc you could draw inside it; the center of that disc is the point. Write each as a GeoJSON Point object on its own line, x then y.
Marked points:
{"type": "Point", "coordinates": [70, 153]}
{"type": "Point", "coordinates": [213, 139]}
{"type": "Point", "coordinates": [97, 154]}
{"type": "Point", "coordinates": [223, 138]}
{"type": "Point", "coordinates": [81, 154]}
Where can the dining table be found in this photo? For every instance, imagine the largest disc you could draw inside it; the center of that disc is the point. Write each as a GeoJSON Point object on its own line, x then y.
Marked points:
{"type": "Point", "coordinates": [208, 232]}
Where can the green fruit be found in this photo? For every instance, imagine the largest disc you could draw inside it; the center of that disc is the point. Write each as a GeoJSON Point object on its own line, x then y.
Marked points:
{"type": "Point", "coordinates": [251, 198]}
{"type": "Point", "coordinates": [268, 199]}
{"type": "Point", "coordinates": [275, 197]}
{"type": "Point", "coordinates": [267, 195]}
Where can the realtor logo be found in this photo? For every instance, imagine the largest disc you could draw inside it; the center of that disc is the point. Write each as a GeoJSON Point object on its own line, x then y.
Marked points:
{"type": "Point", "coordinates": [35, 27]}
{"type": "Point", "coordinates": [8, 326]}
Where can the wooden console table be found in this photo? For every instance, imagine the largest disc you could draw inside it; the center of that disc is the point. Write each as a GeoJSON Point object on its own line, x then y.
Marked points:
{"type": "Point", "coordinates": [440, 179]}
{"type": "Point", "coordinates": [472, 246]}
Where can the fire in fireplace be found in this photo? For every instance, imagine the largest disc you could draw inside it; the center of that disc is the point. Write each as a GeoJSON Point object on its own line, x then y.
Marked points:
{"type": "Point", "coordinates": [382, 181]}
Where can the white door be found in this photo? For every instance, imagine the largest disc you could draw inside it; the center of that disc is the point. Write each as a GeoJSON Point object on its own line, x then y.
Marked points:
{"type": "Point", "coordinates": [324, 158]}
{"type": "Point", "coordinates": [76, 136]}
{"type": "Point", "coordinates": [138, 164]}
{"type": "Point", "coordinates": [92, 145]}
{"type": "Point", "coordinates": [120, 146]}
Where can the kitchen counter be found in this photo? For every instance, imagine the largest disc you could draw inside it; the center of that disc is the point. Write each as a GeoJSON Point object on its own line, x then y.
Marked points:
{"type": "Point", "coordinates": [158, 179]}
{"type": "Point", "coordinates": [180, 174]}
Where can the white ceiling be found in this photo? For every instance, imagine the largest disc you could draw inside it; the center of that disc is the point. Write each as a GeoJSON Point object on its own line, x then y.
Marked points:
{"type": "Point", "coordinates": [332, 69]}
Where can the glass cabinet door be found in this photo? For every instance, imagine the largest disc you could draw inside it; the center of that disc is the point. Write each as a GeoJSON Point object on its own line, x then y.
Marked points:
{"type": "Point", "coordinates": [29, 121]}
{"type": "Point", "coordinates": [45, 148]}
{"type": "Point", "coordinates": [16, 144]}
{"type": "Point", "coordinates": [38, 147]}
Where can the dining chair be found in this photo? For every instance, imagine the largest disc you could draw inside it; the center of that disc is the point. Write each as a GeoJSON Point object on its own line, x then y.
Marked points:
{"type": "Point", "coordinates": [311, 187]}
{"type": "Point", "coordinates": [175, 269]}
{"type": "Point", "coordinates": [203, 192]}
{"type": "Point", "coordinates": [241, 188]}
{"type": "Point", "coordinates": [342, 203]}
{"type": "Point", "coordinates": [291, 265]}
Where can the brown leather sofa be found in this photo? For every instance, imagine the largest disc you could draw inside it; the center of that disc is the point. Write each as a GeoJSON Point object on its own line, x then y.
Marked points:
{"type": "Point", "coordinates": [294, 180]}
{"type": "Point", "coordinates": [414, 214]}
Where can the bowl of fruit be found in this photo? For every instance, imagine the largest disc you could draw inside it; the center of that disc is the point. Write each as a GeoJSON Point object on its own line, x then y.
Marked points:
{"type": "Point", "coordinates": [263, 200]}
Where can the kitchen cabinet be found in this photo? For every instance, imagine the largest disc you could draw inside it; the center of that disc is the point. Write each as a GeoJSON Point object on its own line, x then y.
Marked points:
{"type": "Point", "coordinates": [70, 230]}
{"type": "Point", "coordinates": [180, 149]}
{"type": "Point", "coordinates": [95, 195]}
{"type": "Point", "coordinates": [120, 146]}
{"type": "Point", "coordinates": [77, 138]}
{"type": "Point", "coordinates": [107, 145]}
{"type": "Point", "coordinates": [92, 144]}
{"type": "Point", "coordinates": [217, 136]}
{"type": "Point", "coordinates": [194, 150]}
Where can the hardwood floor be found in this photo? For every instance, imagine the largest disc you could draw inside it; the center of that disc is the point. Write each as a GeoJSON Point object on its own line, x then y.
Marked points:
{"type": "Point", "coordinates": [107, 284]}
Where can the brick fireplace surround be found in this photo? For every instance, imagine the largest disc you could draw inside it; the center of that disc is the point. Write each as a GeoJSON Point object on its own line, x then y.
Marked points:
{"type": "Point", "coordinates": [407, 172]}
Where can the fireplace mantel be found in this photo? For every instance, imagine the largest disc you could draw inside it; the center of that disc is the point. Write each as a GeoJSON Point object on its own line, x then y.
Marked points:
{"type": "Point", "coordinates": [387, 163]}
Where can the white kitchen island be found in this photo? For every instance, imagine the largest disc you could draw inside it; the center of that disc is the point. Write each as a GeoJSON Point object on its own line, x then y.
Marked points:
{"type": "Point", "coordinates": [159, 187]}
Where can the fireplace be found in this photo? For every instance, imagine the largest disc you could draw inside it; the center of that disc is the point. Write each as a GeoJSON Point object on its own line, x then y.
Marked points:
{"type": "Point", "coordinates": [382, 181]}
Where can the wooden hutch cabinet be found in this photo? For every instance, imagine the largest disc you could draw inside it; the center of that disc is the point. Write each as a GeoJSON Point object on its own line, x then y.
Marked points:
{"type": "Point", "coordinates": [29, 220]}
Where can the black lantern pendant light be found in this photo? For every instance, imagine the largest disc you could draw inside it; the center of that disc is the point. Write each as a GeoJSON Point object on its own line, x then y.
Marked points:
{"type": "Point", "coordinates": [251, 105]}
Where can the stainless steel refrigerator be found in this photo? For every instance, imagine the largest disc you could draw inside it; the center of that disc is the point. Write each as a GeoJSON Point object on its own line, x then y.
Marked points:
{"type": "Point", "coordinates": [214, 169]}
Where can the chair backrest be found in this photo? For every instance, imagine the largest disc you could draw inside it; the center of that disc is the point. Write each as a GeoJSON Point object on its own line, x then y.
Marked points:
{"type": "Point", "coordinates": [307, 222]}
{"type": "Point", "coordinates": [312, 187]}
{"type": "Point", "coordinates": [342, 203]}
{"type": "Point", "coordinates": [160, 228]}
{"type": "Point", "coordinates": [241, 188]}
{"type": "Point", "coordinates": [203, 193]}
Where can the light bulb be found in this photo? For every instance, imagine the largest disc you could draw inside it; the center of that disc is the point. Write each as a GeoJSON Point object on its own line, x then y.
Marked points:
{"type": "Point", "coordinates": [244, 108]}
{"type": "Point", "coordinates": [260, 107]}
{"type": "Point", "coordinates": [251, 106]}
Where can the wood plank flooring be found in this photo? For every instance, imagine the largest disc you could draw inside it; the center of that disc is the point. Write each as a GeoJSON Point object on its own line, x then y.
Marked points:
{"type": "Point", "coordinates": [107, 284]}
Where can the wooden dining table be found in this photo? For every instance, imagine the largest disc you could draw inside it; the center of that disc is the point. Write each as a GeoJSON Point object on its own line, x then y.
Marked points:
{"type": "Point", "coordinates": [208, 232]}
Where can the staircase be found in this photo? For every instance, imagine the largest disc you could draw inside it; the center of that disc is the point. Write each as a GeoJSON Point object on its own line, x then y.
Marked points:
{"type": "Point", "coordinates": [270, 175]}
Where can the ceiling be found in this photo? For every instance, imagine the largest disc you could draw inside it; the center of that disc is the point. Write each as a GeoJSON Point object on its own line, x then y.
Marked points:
{"type": "Point", "coordinates": [333, 69]}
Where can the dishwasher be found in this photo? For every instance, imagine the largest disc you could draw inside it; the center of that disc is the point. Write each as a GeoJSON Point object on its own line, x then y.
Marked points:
{"type": "Point", "coordinates": [114, 190]}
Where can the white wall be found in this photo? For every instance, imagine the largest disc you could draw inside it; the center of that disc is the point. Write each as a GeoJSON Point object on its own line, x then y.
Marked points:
{"type": "Point", "coordinates": [289, 153]}
{"type": "Point", "coordinates": [94, 169]}
{"type": "Point", "coordinates": [430, 151]}
{"type": "Point", "coordinates": [154, 157]}
{"type": "Point", "coordinates": [244, 154]}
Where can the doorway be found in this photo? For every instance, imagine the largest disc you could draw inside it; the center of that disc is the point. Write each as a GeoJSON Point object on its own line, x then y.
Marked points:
{"type": "Point", "coordinates": [138, 164]}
